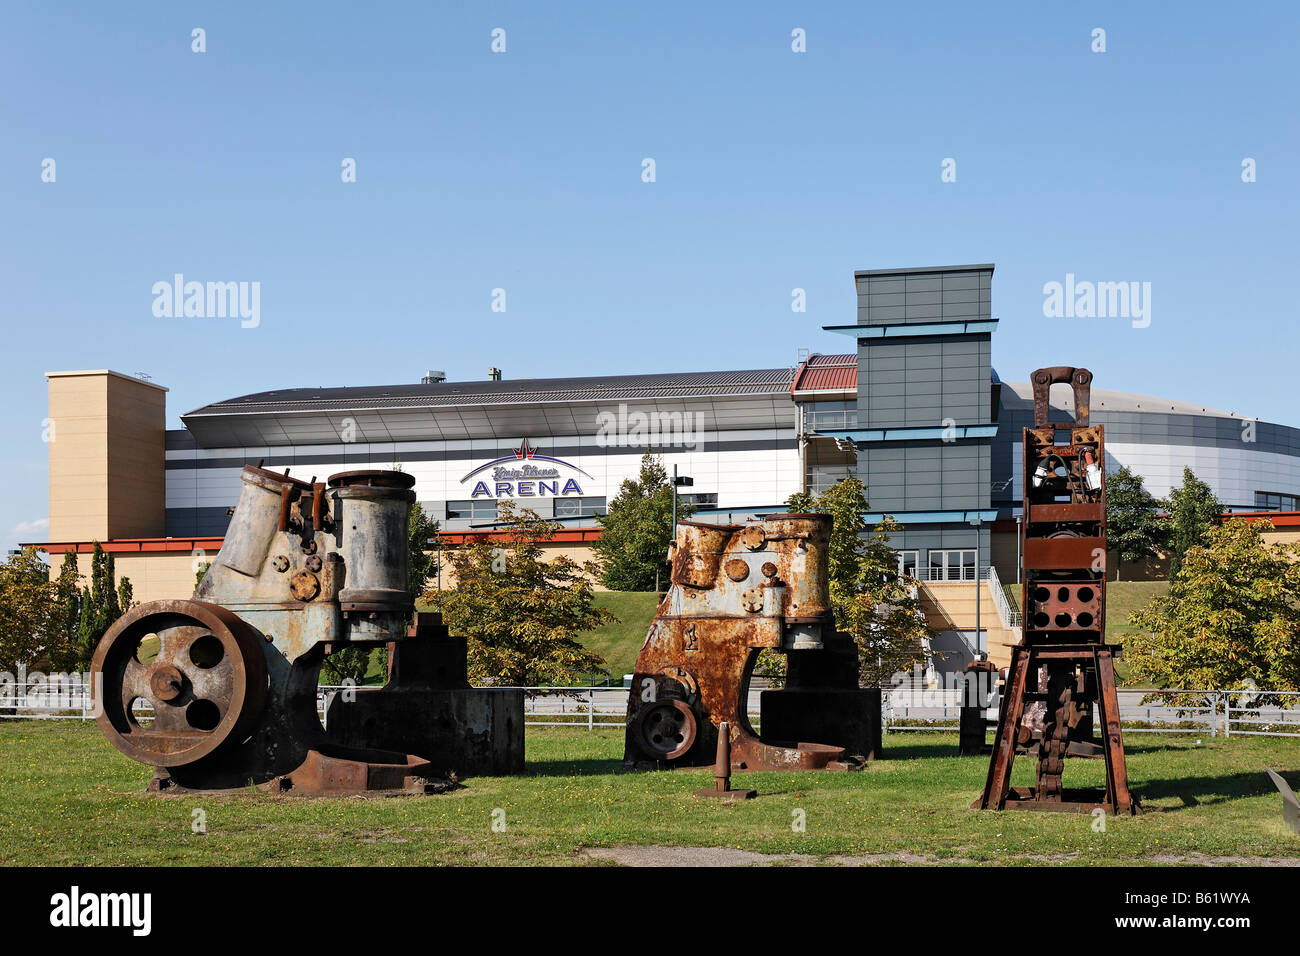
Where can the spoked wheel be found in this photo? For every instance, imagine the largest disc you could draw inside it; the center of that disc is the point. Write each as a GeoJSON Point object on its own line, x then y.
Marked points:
{"type": "Point", "coordinates": [177, 679]}
{"type": "Point", "coordinates": [667, 729]}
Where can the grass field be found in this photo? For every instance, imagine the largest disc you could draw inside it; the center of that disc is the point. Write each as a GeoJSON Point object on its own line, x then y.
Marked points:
{"type": "Point", "coordinates": [619, 643]}
{"type": "Point", "coordinates": [67, 797]}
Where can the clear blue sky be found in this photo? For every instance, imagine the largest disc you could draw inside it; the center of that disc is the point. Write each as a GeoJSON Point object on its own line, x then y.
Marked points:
{"type": "Point", "coordinates": [522, 170]}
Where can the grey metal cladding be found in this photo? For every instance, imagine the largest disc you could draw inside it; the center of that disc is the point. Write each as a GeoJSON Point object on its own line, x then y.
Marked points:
{"type": "Point", "coordinates": [208, 522]}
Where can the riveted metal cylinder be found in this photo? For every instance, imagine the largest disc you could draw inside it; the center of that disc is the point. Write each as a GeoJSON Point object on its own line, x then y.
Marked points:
{"type": "Point", "coordinates": [698, 552]}
{"type": "Point", "coordinates": [264, 502]}
{"type": "Point", "coordinates": [371, 523]}
{"type": "Point", "coordinates": [805, 538]}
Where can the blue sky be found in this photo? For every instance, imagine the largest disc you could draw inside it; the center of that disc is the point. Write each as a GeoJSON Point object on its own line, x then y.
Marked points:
{"type": "Point", "coordinates": [522, 170]}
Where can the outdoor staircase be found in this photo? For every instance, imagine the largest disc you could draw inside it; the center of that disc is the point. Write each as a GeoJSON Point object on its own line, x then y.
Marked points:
{"type": "Point", "coordinates": [950, 606]}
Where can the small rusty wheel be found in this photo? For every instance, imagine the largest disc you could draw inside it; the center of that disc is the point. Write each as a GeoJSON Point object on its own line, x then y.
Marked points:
{"type": "Point", "coordinates": [667, 729]}
{"type": "Point", "coordinates": [198, 665]}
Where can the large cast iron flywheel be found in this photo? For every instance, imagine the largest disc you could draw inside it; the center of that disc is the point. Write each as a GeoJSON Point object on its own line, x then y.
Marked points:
{"type": "Point", "coordinates": [176, 680]}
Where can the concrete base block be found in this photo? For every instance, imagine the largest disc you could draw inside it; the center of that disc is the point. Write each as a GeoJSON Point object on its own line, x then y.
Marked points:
{"type": "Point", "coordinates": [842, 718]}
{"type": "Point", "coordinates": [471, 732]}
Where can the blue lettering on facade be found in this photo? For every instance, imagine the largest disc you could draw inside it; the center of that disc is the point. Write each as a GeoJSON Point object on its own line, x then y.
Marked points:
{"type": "Point", "coordinates": [481, 489]}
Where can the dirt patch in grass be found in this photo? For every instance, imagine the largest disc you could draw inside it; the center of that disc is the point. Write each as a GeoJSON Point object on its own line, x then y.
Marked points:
{"type": "Point", "coordinates": [1200, 859]}
{"type": "Point", "coordinates": [726, 856]}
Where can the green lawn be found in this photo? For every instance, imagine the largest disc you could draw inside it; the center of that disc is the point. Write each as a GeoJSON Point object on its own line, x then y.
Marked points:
{"type": "Point", "coordinates": [620, 643]}
{"type": "Point", "coordinates": [67, 797]}
{"type": "Point", "coordinates": [1125, 597]}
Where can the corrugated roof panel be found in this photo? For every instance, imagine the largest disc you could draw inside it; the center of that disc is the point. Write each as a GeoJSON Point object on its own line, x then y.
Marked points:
{"type": "Point", "coordinates": [827, 372]}
{"type": "Point", "coordinates": [516, 391]}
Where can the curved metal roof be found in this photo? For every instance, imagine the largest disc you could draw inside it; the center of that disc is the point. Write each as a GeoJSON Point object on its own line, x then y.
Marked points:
{"type": "Point", "coordinates": [1106, 400]}
{"type": "Point", "coordinates": [506, 392]}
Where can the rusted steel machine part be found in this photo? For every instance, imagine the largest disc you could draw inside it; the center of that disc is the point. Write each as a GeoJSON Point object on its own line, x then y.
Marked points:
{"type": "Point", "coordinates": [736, 590]}
{"type": "Point", "coordinates": [1062, 668]}
{"type": "Point", "coordinates": [721, 789]}
{"type": "Point", "coordinates": [305, 569]}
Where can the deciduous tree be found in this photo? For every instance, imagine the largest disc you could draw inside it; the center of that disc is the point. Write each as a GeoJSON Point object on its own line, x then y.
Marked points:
{"type": "Point", "coordinates": [521, 613]}
{"type": "Point", "coordinates": [1134, 529]}
{"type": "Point", "coordinates": [1193, 512]}
{"type": "Point", "coordinates": [1231, 617]}
{"type": "Point", "coordinates": [637, 529]}
{"type": "Point", "coordinates": [27, 610]}
{"type": "Point", "coordinates": [421, 554]}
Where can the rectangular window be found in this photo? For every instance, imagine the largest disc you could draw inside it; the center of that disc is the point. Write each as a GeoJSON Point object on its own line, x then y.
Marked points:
{"type": "Point", "coordinates": [1276, 501]}
{"type": "Point", "coordinates": [477, 510]}
{"type": "Point", "coordinates": [831, 416]}
{"type": "Point", "coordinates": [701, 499]}
{"type": "Point", "coordinates": [579, 507]}
{"type": "Point", "coordinates": [907, 561]}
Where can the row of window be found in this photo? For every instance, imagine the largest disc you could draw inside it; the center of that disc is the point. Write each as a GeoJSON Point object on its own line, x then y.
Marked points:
{"type": "Point", "coordinates": [1276, 501]}
{"type": "Point", "coordinates": [483, 509]}
{"type": "Point", "coordinates": [950, 564]}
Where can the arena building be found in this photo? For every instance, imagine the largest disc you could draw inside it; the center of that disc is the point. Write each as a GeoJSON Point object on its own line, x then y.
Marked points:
{"type": "Point", "coordinates": [917, 411]}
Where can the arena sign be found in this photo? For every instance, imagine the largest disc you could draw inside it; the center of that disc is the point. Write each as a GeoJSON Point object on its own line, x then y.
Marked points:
{"type": "Point", "coordinates": [525, 474]}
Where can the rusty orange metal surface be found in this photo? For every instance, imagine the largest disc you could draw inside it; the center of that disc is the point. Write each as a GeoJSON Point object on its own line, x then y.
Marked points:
{"type": "Point", "coordinates": [1061, 681]}
{"type": "Point", "coordinates": [737, 590]}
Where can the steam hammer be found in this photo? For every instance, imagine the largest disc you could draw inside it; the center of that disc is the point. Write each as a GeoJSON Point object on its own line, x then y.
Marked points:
{"type": "Point", "coordinates": [737, 590]}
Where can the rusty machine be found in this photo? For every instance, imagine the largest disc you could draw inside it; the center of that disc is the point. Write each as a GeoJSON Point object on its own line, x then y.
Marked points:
{"type": "Point", "coordinates": [1062, 667]}
{"type": "Point", "coordinates": [736, 590]}
{"type": "Point", "coordinates": [220, 690]}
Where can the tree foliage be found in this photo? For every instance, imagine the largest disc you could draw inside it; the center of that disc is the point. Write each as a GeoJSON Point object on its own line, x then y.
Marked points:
{"type": "Point", "coordinates": [520, 612]}
{"type": "Point", "coordinates": [870, 599]}
{"type": "Point", "coordinates": [56, 624]}
{"type": "Point", "coordinates": [1134, 529]}
{"type": "Point", "coordinates": [1231, 617]}
{"type": "Point", "coordinates": [1193, 512]}
{"type": "Point", "coordinates": [27, 610]}
{"type": "Point", "coordinates": [63, 646]}
{"type": "Point", "coordinates": [637, 529]}
{"type": "Point", "coordinates": [351, 663]}
{"type": "Point", "coordinates": [100, 604]}
{"type": "Point", "coordinates": [421, 555]}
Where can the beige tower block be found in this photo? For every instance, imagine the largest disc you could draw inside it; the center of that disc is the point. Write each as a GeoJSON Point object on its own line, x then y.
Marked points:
{"type": "Point", "coordinates": [107, 439]}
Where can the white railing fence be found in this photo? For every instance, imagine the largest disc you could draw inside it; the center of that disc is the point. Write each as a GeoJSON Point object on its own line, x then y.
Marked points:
{"type": "Point", "coordinates": [1142, 711]}
{"type": "Point", "coordinates": [1010, 619]}
{"type": "Point", "coordinates": [1211, 712]}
